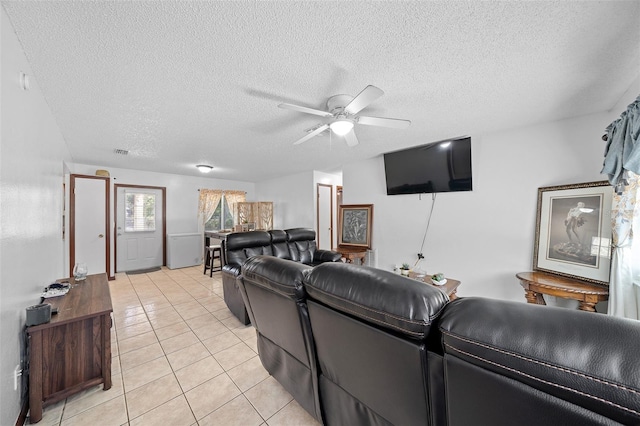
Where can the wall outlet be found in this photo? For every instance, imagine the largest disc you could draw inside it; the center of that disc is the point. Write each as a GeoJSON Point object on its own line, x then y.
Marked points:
{"type": "Point", "coordinates": [17, 372]}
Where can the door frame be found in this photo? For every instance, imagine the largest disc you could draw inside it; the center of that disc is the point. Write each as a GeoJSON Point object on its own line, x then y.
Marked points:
{"type": "Point", "coordinates": [330, 211]}
{"type": "Point", "coordinates": [72, 221]}
{"type": "Point", "coordinates": [162, 189]}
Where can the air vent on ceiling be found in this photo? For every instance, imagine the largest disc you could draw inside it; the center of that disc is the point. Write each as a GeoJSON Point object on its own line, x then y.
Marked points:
{"type": "Point", "coordinates": [121, 151]}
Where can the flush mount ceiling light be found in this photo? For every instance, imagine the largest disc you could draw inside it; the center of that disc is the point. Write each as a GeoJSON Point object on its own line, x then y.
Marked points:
{"type": "Point", "coordinates": [341, 126]}
{"type": "Point", "coordinates": [204, 168]}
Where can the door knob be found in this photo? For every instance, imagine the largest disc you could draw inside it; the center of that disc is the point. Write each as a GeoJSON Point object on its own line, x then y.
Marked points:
{"type": "Point", "coordinates": [100, 236]}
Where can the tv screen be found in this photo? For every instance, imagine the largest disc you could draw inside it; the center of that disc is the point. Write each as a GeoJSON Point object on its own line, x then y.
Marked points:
{"type": "Point", "coordinates": [443, 166]}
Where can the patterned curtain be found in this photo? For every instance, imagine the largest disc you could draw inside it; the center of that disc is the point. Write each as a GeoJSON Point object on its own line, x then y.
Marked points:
{"type": "Point", "coordinates": [233, 198]}
{"type": "Point", "coordinates": [209, 200]}
{"type": "Point", "coordinates": [624, 288]}
{"type": "Point", "coordinates": [622, 153]}
{"type": "Point", "coordinates": [622, 165]}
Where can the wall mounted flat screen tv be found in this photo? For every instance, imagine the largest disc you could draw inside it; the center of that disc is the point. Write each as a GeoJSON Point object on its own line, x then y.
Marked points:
{"type": "Point", "coordinates": [443, 166]}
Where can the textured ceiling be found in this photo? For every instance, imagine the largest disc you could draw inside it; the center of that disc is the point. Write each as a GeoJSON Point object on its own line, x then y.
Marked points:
{"type": "Point", "coordinates": [179, 83]}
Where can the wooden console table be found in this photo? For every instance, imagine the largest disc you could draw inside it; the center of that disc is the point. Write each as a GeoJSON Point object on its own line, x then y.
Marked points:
{"type": "Point", "coordinates": [72, 351]}
{"type": "Point", "coordinates": [536, 284]}
{"type": "Point", "coordinates": [350, 254]}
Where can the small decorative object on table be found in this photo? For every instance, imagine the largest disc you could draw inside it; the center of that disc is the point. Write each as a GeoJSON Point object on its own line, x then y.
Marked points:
{"type": "Point", "coordinates": [438, 279]}
{"type": "Point", "coordinates": [55, 290]}
{"type": "Point", "coordinates": [404, 269]}
{"type": "Point", "coordinates": [80, 271]}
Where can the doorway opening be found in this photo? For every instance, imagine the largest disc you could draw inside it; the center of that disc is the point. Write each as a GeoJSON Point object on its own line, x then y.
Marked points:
{"type": "Point", "coordinates": [324, 214]}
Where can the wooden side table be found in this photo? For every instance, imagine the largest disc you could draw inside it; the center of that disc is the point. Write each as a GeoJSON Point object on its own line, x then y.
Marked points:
{"type": "Point", "coordinates": [450, 287]}
{"type": "Point", "coordinates": [536, 284]}
{"type": "Point", "coordinates": [350, 254]}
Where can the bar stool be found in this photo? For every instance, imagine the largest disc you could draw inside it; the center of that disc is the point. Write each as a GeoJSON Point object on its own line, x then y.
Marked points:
{"type": "Point", "coordinates": [213, 252]}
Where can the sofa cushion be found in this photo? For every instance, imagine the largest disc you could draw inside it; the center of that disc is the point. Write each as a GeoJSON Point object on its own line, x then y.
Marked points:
{"type": "Point", "coordinates": [239, 246]}
{"type": "Point", "coordinates": [322, 256]}
{"type": "Point", "coordinates": [378, 297]}
{"type": "Point", "coordinates": [302, 244]}
{"type": "Point", "coordinates": [279, 245]}
{"type": "Point", "coordinates": [278, 275]}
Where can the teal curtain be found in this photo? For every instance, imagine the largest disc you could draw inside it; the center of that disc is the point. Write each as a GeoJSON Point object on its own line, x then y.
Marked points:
{"type": "Point", "coordinates": [622, 166]}
{"type": "Point", "coordinates": [623, 148]}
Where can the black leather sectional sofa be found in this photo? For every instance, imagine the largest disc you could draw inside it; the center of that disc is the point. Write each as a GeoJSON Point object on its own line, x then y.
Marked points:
{"type": "Point", "coordinates": [361, 346]}
{"type": "Point", "coordinates": [297, 244]}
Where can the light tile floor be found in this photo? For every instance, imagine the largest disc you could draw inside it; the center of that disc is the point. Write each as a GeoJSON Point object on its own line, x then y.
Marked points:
{"type": "Point", "coordinates": [179, 358]}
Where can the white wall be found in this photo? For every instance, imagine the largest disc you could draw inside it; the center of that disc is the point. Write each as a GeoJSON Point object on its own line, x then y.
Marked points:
{"type": "Point", "coordinates": [486, 236]}
{"type": "Point", "coordinates": [182, 194]}
{"type": "Point", "coordinates": [293, 200]}
{"type": "Point", "coordinates": [32, 156]}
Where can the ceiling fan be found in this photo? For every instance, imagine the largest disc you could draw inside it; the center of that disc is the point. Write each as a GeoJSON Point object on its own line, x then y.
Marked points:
{"type": "Point", "coordinates": [342, 111]}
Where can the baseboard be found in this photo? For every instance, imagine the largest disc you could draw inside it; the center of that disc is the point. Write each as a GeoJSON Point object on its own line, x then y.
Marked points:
{"type": "Point", "coordinates": [22, 418]}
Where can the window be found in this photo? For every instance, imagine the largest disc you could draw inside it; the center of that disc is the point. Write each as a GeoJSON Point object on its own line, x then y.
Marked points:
{"type": "Point", "coordinates": [140, 212]}
{"type": "Point", "coordinates": [216, 207]}
{"type": "Point", "coordinates": [222, 217]}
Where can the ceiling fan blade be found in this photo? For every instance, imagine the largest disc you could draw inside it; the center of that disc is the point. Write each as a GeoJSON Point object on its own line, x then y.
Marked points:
{"type": "Point", "coordinates": [364, 98]}
{"type": "Point", "coordinates": [312, 134]}
{"type": "Point", "coordinates": [394, 123]}
{"type": "Point", "coordinates": [305, 110]}
{"type": "Point", "coordinates": [351, 139]}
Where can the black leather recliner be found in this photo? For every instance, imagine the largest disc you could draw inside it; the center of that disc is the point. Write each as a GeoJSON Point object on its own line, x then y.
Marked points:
{"type": "Point", "coordinates": [275, 299]}
{"type": "Point", "coordinates": [516, 363]}
{"type": "Point", "coordinates": [391, 350]}
{"type": "Point", "coordinates": [370, 329]}
{"type": "Point", "coordinates": [297, 244]}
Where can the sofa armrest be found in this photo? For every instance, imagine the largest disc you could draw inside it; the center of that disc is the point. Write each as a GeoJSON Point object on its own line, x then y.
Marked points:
{"type": "Point", "coordinates": [583, 359]}
{"type": "Point", "coordinates": [321, 256]}
{"type": "Point", "coordinates": [231, 269]}
{"type": "Point", "coordinates": [231, 292]}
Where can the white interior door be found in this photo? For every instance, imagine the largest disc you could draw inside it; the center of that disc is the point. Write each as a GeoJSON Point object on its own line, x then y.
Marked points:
{"type": "Point", "coordinates": [139, 235]}
{"type": "Point", "coordinates": [90, 229]}
{"type": "Point", "coordinates": [325, 216]}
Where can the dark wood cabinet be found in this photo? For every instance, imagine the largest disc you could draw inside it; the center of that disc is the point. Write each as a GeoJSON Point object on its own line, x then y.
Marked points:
{"type": "Point", "coordinates": [73, 351]}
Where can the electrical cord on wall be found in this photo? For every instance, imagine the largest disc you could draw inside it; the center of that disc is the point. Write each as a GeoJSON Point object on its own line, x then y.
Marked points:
{"type": "Point", "coordinates": [420, 255]}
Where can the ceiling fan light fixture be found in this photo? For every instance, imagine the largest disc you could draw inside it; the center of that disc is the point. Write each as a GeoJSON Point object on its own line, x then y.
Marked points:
{"type": "Point", "coordinates": [204, 168]}
{"type": "Point", "coordinates": [341, 126]}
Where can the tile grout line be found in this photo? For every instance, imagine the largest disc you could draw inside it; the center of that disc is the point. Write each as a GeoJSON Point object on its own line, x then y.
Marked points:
{"type": "Point", "coordinates": [164, 354]}
{"type": "Point", "coordinates": [183, 394]}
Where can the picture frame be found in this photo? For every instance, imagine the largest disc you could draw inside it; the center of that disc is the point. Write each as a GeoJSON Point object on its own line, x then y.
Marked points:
{"type": "Point", "coordinates": [573, 231]}
{"type": "Point", "coordinates": [355, 222]}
